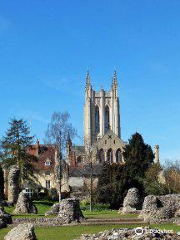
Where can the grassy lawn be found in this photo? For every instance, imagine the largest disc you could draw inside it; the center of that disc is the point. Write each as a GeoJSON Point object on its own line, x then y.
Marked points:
{"type": "Point", "coordinates": [71, 232]}
{"type": "Point", "coordinates": [108, 214]}
{"type": "Point", "coordinates": [42, 206]}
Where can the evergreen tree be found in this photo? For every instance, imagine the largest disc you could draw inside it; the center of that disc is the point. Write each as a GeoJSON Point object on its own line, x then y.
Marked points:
{"type": "Point", "coordinates": [111, 185]}
{"type": "Point", "coordinates": [138, 157]}
{"type": "Point", "coordinates": [115, 180]}
{"type": "Point", "coordinates": [14, 145]}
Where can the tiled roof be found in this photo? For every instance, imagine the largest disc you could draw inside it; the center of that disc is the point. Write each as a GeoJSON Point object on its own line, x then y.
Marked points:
{"type": "Point", "coordinates": [78, 149]}
{"type": "Point", "coordinates": [41, 154]}
{"type": "Point", "coordinates": [85, 171]}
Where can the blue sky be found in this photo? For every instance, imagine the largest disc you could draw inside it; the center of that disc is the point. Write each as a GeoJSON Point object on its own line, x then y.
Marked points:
{"type": "Point", "coordinates": [46, 47]}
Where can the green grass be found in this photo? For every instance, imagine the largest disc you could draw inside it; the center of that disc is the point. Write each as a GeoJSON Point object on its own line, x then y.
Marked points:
{"type": "Point", "coordinates": [42, 206]}
{"type": "Point", "coordinates": [108, 214]}
{"type": "Point", "coordinates": [71, 232]}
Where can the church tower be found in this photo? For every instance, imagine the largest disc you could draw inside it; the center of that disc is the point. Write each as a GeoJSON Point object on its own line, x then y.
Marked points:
{"type": "Point", "coordinates": [101, 112]}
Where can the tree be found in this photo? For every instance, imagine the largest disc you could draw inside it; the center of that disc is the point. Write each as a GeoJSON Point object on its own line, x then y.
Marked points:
{"type": "Point", "coordinates": [58, 130]}
{"type": "Point", "coordinates": [115, 179]}
{"type": "Point", "coordinates": [14, 146]}
{"type": "Point", "coordinates": [172, 176]}
{"type": "Point", "coordinates": [89, 183]}
{"type": "Point", "coordinates": [138, 157]}
{"type": "Point", "coordinates": [111, 184]}
{"type": "Point", "coordinates": [153, 183]}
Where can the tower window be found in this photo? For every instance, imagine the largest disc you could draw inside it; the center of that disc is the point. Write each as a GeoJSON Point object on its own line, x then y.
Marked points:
{"type": "Point", "coordinates": [110, 156]}
{"type": "Point", "coordinates": [107, 119]}
{"type": "Point", "coordinates": [118, 156]}
{"type": "Point", "coordinates": [97, 120]}
{"type": "Point", "coordinates": [101, 156]}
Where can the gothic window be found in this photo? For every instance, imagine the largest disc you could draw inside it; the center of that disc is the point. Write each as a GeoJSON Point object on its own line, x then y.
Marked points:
{"type": "Point", "coordinates": [97, 120]}
{"type": "Point", "coordinates": [110, 156]}
{"type": "Point", "coordinates": [79, 159]}
{"type": "Point", "coordinates": [107, 119]}
{"type": "Point", "coordinates": [118, 156]}
{"type": "Point", "coordinates": [101, 156]}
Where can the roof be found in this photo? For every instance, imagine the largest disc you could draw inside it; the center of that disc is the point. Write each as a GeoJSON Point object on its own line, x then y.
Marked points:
{"type": "Point", "coordinates": [85, 171]}
{"type": "Point", "coordinates": [40, 154]}
{"type": "Point", "coordinates": [78, 149]}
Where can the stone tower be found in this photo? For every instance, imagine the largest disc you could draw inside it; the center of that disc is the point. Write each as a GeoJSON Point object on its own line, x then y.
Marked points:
{"type": "Point", "coordinates": [101, 112]}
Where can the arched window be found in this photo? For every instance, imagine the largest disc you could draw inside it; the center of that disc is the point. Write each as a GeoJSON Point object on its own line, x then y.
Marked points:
{"type": "Point", "coordinates": [101, 156]}
{"type": "Point", "coordinates": [118, 156]}
{"type": "Point", "coordinates": [79, 159]}
{"type": "Point", "coordinates": [97, 120]}
{"type": "Point", "coordinates": [110, 156]}
{"type": "Point", "coordinates": [107, 119]}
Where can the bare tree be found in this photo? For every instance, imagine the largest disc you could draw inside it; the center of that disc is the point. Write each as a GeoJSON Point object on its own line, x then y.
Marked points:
{"type": "Point", "coordinates": [172, 176]}
{"type": "Point", "coordinates": [58, 130]}
{"type": "Point", "coordinates": [89, 184]}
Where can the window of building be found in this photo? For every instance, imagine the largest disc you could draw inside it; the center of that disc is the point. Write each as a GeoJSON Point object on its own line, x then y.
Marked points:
{"type": "Point", "coordinates": [47, 173]}
{"type": "Point", "coordinates": [47, 162]}
{"type": "Point", "coordinates": [110, 156]}
{"type": "Point", "coordinates": [97, 120]}
{"type": "Point", "coordinates": [79, 159]}
{"type": "Point", "coordinates": [29, 192]}
{"type": "Point", "coordinates": [101, 156]}
{"type": "Point", "coordinates": [107, 127]}
{"type": "Point", "coordinates": [118, 156]}
{"type": "Point", "coordinates": [105, 141]}
{"type": "Point", "coordinates": [114, 141]}
{"type": "Point", "coordinates": [48, 184]}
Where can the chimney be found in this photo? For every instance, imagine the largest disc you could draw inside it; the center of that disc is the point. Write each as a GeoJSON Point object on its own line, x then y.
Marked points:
{"type": "Point", "coordinates": [156, 147]}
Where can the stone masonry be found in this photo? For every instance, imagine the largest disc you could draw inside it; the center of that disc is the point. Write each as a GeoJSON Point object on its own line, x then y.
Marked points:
{"type": "Point", "coordinates": [70, 211]}
{"type": "Point", "coordinates": [24, 205]}
{"type": "Point", "coordinates": [131, 202]}
{"type": "Point", "coordinates": [13, 184]}
{"type": "Point", "coordinates": [160, 208]}
{"type": "Point", "coordinates": [21, 232]}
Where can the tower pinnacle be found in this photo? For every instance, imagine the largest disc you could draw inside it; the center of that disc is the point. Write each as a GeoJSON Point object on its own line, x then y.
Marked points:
{"type": "Point", "coordinates": [87, 78]}
{"type": "Point", "coordinates": [115, 78]}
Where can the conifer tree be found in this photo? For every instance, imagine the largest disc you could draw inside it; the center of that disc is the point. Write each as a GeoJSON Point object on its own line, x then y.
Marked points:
{"type": "Point", "coordinates": [14, 145]}
{"type": "Point", "coordinates": [138, 157]}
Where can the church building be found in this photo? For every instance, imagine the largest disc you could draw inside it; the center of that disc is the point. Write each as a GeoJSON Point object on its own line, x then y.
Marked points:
{"type": "Point", "coordinates": [102, 134]}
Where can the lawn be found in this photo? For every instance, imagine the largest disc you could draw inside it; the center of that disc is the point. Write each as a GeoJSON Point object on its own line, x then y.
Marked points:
{"type": "Point", "coordinates": [108, 214]}
{"type": "Point", "coordinates": [71, 232]}
{"type": "Point", "coordinates": [42, 206]}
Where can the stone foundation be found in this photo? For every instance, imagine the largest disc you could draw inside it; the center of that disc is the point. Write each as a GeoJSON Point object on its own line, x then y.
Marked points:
{"type": "Point", "coordinates": [70, 211]}
{"type": "Point", "coordinates": [13, 184]}
{"type": "Point", "coordinates": [160, 208]}
{"type": "Point", "coordinates": [131, 203]}
{"type": "Point", "coordinates": [24, 205]}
